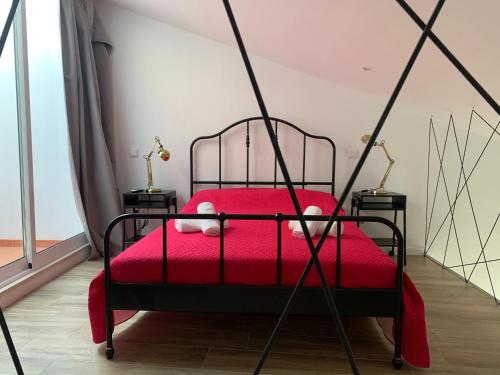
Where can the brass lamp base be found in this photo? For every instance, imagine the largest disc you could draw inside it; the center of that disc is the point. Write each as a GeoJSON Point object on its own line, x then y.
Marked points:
{"type": "Point", "coordinates": [377, 191]}
{"type": "Point", "coordinates": [153, 190]}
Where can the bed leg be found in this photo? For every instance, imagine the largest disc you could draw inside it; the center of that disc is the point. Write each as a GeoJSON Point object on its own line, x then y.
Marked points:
{"type": "Point", "coordinates": [110, 351]}
{"type": "Point", "coordinates": [397, 363]}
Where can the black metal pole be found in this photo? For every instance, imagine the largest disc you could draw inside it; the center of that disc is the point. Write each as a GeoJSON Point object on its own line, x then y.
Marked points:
{"type": "Point", "coordinates": [356, 171]}
{"type": "Point", "coordinates": [314, 259]}
{"type": "Point", "coordinates": [10, 344]}
{"type": "Point", "coordinates": [439, 44]}
{"type": "Point", "coordinates": [8, 24]}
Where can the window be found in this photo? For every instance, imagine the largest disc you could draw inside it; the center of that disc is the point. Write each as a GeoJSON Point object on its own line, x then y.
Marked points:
{"type": "Point", "coordinates": [39, 222]}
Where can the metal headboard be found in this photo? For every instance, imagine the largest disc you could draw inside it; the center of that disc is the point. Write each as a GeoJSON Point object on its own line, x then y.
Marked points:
{"type": "Point", "coordinates": [277, 123]}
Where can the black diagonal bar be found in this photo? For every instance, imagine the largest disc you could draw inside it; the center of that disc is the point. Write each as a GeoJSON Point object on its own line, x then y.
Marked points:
{"type": "Point", "coordinates": [328, 294]}
{"type": "Point", "coordinates": [10, 344]}
{"type": "Point", "coordinates": [314, 258]}
{"type": "Point", "coordinates": [8, 24]}
{"type": "Point", "coordinates": [351, 180]}
{"type": "Point", "coordinates": [439, 44]}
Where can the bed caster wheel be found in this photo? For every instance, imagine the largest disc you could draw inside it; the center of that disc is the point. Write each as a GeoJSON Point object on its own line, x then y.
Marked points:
{"type": "Point", "coordinates": [397, 363]}
{"type": "Point", "coordinates": [110, 352]}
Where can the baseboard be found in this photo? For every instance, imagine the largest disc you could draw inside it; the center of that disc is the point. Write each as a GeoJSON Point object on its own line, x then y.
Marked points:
{"type": "Point", "coordinates": [35, 279]}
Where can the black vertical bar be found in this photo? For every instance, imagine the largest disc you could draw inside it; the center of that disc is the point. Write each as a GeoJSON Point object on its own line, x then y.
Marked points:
{"type": "Point", "coordinates": [164, 250]}
{"type": "Point", "coordinates": [135, 225]}
{"type": "Point", "coordinates": [279, 221]}
{"type": "Point", "coordinates": [404, 232]}
{"type": "Point", "coordinates": [248, 151]}
{"type": "Point", "coordinates": [339, 253]}
{"type": "Point", "coordinates": [399, 286]}
{"type": "Point", "coordinates": [191, 172]}
{"type": "Point", "coordinates": [304, 162]}
{"type": "Point", "coordinates": [8, 24]}
{"type": "Point", "coordinates": [124, 229]}
{"type": "Point", "coordinates": [220, 161]}
{"type": "Point", "coordinates": [275, 159]}
{"type": "Point", "coordinates": [10, 344]}
{"type": "Point", "coordinates": [393, 233]}
{"type": "Point", "coordinates": [334, 160]}
{"type": "Point", "coordinates": [107, 290]}
{"type": "Point", "coordinates": [222, 218]}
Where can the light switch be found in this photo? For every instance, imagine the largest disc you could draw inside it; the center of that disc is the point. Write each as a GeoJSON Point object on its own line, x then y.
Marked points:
{"type": "Point", "coordinates": [133, 152]}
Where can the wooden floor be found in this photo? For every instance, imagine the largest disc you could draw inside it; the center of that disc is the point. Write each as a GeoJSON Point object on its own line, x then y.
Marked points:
{"type": "Point", "coordinates": [51, 330]}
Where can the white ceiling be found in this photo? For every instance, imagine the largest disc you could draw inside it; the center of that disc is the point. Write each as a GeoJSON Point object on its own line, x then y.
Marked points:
{"type": "Point", "coordinates": [335, 39]}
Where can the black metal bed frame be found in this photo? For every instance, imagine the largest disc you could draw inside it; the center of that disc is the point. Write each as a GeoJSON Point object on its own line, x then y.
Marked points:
{"type": "Point", "coordinates": [255, 121]}
{"type": "Point", "coordinates": [373, 302]}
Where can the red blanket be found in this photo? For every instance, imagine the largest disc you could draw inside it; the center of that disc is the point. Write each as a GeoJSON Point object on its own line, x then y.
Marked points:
{"type": "Point", "coordinates": [250, 259]}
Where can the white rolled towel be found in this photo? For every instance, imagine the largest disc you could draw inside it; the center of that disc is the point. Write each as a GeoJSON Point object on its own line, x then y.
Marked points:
{"type": "Point", "coordinates": [209, 227]}
{"type": "Point", "coordinates": [312, 226]}
{"type": "Point", "coordinates": [187, 225]}
{"type": "Point", "coordinates": [292, 224]}
{"type": "Point", "coordinates": [333, 230]}
{"type": "Point", "coordinates": [191, 225]}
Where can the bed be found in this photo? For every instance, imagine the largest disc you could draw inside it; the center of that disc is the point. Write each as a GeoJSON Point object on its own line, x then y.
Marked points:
{"type": "Point", "coordinates": [254, 264]}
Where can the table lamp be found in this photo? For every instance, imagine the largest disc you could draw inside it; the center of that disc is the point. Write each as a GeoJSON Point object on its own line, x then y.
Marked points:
{"type": "Point", "coordinates": [380, 189]}
{"type": "Point", "coordinates": [163, 154]}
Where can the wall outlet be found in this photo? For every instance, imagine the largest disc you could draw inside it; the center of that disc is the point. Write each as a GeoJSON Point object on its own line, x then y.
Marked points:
{"type": "Point", "coordinates": [133, 152]}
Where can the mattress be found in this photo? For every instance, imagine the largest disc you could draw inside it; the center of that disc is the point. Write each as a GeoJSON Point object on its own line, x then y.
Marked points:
{"type": "Point", "coordinates": [250, 259]}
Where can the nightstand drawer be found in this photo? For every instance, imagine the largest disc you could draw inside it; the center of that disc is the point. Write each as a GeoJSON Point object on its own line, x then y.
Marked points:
{"type": "Point", "coordinates": [386, 202]}
{"type": "Point", "coordinates": [148, 200]}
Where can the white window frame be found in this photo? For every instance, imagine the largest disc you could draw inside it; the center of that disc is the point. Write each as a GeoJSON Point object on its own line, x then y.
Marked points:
{"type": "Point", "coordinates": [32, 261]}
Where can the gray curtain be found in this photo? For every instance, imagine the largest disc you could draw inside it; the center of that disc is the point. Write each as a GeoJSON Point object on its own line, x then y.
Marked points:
{"type": "Point", "coordinates": [93, 170]}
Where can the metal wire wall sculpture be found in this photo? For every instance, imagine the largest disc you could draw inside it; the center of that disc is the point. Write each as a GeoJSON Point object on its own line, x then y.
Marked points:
{"type": "Point", "coordinates": [465, 267]}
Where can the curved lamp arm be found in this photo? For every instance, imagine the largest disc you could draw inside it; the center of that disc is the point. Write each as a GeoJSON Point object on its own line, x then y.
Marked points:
{"type": "Point", "coordinates": [163, 154]}
{"type": "Point", "coordinates": [389, 167]}
{"type": "Point", "coordinates": [380, 190]}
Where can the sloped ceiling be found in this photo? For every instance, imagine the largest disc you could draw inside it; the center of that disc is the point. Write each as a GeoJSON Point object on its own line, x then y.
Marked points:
{"type": "Point", "coordinates": [360, 44]}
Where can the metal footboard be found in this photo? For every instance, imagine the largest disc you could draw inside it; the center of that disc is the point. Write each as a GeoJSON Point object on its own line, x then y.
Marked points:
{"type": "Point", "coordinates": [165, 296]}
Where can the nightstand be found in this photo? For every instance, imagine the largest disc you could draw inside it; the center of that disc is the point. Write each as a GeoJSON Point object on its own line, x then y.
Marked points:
{"type": "Point", "coordinates": [365, 201]}
{"type": "Point", "coordinates": [164, 200]}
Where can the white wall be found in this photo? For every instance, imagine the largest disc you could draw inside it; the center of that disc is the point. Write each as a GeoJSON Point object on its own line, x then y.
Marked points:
{"type": "Point", "coordinates": [178, 85]}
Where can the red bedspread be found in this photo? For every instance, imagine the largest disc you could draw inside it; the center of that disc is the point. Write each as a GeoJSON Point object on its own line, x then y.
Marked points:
{"type": "Point", "coordinates": [250, 259]}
